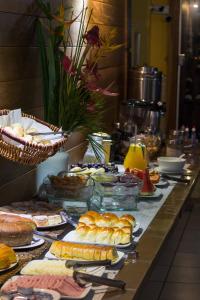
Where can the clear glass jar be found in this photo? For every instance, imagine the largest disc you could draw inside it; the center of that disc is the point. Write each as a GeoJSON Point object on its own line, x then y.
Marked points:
{"type": "Point", "coordinates": [115, 192]}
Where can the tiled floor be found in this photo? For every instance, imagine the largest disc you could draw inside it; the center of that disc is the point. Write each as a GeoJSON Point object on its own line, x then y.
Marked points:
{"type": "Point", "coordinates": [176, 274]}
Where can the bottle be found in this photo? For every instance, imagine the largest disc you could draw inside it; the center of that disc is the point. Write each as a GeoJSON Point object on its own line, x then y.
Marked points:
{"type": "Point", "coordinates": [174, 139]}
{"type": "Point", "coordinates": [194, 136]}
{"type": "Point", "coordinates": [181, 135]}
{"type": "Point", "coordinates": [186, 140]}
{"type": "Point", "coordinates": [116, 137]}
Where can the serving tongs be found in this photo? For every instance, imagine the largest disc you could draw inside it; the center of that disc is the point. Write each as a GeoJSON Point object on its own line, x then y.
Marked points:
{"type": "Point", "coordinates": [45, 236]}
{"type": "Point", "coordinates": [68, 219]}
{"type": "Point", "coordinates": [83, 278]}
{"type": "Point", "coordinates": [80, 264]}
{"type": "Point", "coordinates": [63, 133]}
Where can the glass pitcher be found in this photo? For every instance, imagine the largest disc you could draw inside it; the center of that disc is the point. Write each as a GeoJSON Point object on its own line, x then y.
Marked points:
{"type": "Point", "coordinates": [136, 156]}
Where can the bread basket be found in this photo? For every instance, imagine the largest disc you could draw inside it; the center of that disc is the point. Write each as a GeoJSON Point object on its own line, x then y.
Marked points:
{"type": "Point", "coordinates": [29, 153]}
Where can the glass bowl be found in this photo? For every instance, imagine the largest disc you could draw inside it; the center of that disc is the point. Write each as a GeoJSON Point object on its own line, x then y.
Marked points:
{"type": "Point", "coordinates": [70, 191]}
{"type": "Point", "coordinates": [115, 192]}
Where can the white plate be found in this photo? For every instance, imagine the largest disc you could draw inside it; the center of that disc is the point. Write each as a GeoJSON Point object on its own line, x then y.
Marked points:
{"type": "Point", "coordinates": [155, 195]}
{"type": "Point", "coordinates": [11, 266]}
{"type": "Point", "coordinates": [51, 226]}
{"type": "Point", "coordinates": [72, 236]}
{"type": "Point", "coordinates": [162, 183]}
{"type": "Point", "coordinates": [98, 270]}
{"type": "Point", "coordinates": [170, 172]}
{"type": "Point", "coordinates": [120, 256]}
{"type": "Point", "coordinates": [136, 227]}
{"type": "Point", "coordinates": [36, 242]}
{"type": "Point", "coordinates": [56, 295]}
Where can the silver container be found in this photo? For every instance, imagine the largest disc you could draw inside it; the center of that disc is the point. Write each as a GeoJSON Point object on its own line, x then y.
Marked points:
{"type": "Point", "coordinates": [145, 84]}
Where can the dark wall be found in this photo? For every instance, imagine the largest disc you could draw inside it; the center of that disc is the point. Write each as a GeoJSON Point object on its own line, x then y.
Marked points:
{"type": "Point", "coordinates": [20, 74]}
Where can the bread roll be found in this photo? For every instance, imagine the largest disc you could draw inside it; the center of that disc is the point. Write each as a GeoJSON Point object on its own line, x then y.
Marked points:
{"type": "Point", "coordinates": [68, 250]}
{"type": "Point", "coordinates": [104, 235]}
{"type": "Point", "coordinates": [112, 218]}
{"type": "Point", "coordinates": [92, 234]}
{"type": "Point", "coordinates": [102, 221]}
{"type": "Point", "coordinates": [87, 219]}
{"type": "Point", "coordinates": [129, 218]}
{"type": "Point", "coordinates": [123, 223]}
{"type": "Point", "coordinates": [92, 213]}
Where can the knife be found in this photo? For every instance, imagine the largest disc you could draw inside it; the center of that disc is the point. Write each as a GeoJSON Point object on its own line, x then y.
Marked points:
{"type": "Point", "coordinates": [183, 180]}
{"type": "Point", "coordinates": [80, 264]}
{"type": "Point", "coordinates": [82, 278]}
{"type": "Point", "coordinates": [45, 236]}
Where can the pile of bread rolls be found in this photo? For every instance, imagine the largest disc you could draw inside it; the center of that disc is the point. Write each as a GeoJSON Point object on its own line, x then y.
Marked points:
{"type": "Point", "coordinates": [16, 129]}
{"type": "Point", "coordinates": [105, 228]}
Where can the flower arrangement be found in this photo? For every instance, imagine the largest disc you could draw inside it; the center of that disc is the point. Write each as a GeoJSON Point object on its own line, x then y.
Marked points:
{"type": "Point", "coordinates": [72, 95]}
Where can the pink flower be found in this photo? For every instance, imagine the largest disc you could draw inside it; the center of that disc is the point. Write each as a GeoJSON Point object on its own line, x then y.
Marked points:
{"type": "Point", "coordinates": [67, 65]}
{"type": "Point", "coordinates": [92, 86]}
{"type": "Point", "coordinates": [92, 37]}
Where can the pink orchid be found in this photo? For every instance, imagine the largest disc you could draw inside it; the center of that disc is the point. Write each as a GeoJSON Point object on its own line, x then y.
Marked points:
{"type": "Point", "coordinates": [68, 65]}
{"type": "Point", "coordinates": [92, 37]}
{"type": "Point", "coordinates": [92, 86]}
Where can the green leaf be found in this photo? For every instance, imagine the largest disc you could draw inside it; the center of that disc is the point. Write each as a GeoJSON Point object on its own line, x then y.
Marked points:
{"type": "Point", "coordinates": [45, 7]}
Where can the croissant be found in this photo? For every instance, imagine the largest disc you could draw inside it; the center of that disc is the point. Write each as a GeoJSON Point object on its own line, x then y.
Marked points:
{"type": "Point", "coordinates": [68, 250]}
{"type": "Point", "coordinates": [104, 235]}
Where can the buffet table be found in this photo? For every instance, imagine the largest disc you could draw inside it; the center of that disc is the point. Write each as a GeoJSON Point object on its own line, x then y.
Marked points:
{"type": "Point", "coordinates": [156, 218]}
{"type": "Point", "coordinates": [135, 271]}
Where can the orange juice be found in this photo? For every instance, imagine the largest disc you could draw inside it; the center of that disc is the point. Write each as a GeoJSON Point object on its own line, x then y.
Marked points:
{"type": "Point", "coordinates": [136, 157]}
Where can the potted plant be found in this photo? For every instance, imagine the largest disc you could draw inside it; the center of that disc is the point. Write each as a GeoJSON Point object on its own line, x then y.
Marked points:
{"type": "Point", "coordinates": [73, 98]}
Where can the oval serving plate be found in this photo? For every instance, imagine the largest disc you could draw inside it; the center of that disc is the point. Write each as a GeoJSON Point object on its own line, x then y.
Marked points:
{"type": "Point", "coordinates": [36, 242]}
{"type": "Point", "coordinates": [48, 227]}
{"type": "Point", "coordinates": [12, 266]}
{"type": "Point", "coordinates": [120, 256]}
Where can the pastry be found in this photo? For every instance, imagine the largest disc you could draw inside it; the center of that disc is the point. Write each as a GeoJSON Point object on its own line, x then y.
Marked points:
{"type": "Point", "coordinates": [107, 220]}
{"type": "Point", "coordinates": [87, 219]}
{"type": "Point", "coordinates": [129, 218]}
{"type": "Point", "coordinates": [54, 220]}
{"type": "Point", "coordinates": [7, 256]}
{"type": "Point", "coordinates": [41, 221]}
{"type": "Point", "coordinates": [15, 230]}
{"type": "Point", "coordinates": [104, 235]}
{"type": "Point", "coordinates": [68, 250]}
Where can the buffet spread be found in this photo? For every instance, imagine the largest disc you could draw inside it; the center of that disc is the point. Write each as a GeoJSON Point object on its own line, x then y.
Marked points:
{"type": "Point", "coordinates": [77, 256]}
{"type": "Point", "coordinates": [91, 221]}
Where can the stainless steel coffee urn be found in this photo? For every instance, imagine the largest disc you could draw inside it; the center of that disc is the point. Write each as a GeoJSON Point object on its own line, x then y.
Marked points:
{"type": "Point", "coordinates": [145, 97]}
{"type": "Point", "coordinates": [145, 84]}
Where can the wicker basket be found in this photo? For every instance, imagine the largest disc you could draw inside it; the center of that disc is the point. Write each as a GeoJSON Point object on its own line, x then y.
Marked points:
{"type": "Point", "coordinates": [31, 153]}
